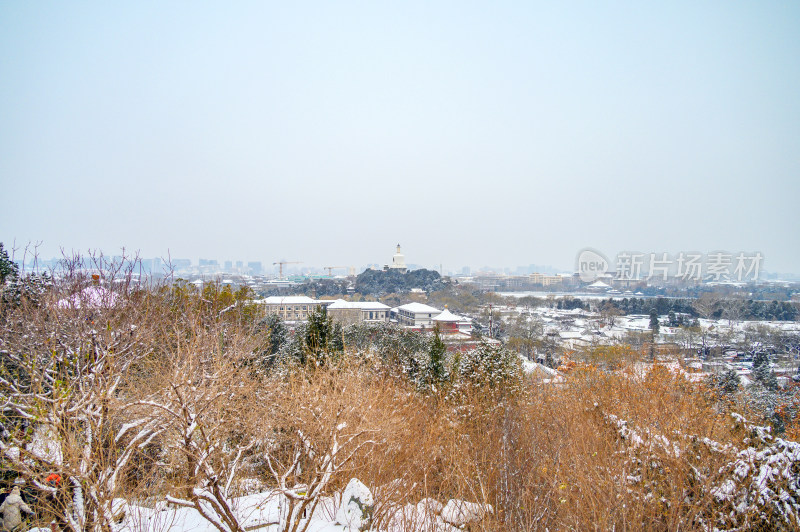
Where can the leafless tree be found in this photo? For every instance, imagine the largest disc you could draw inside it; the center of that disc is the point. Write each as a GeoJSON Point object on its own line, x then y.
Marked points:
{"type": "Point", "coordinates": [322, 430]}
{"type": "Point", "coordinates": [205, 398]}
{"type": "Point", "coordinates": [62, 387]}
{"type": "Point", "coordinates": [706, 304]}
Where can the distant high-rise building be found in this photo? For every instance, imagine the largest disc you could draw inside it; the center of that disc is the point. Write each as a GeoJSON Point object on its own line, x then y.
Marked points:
{"type": "Point", "coordinates": [255, 267]}
{"type": "Point", "coordinates": [181, 264]}
{"type": "Point", "coordinates": [151, 265]}
{"type": "Point", "coordinates": [228, 265]}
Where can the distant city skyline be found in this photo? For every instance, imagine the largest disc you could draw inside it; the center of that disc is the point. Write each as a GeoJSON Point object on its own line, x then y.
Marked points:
{"type": "Point", "coordinates": [268, 268]}
{"type": "Point", "coordinates": [507, 133]}
{"type": "Point", "coordinates": [235, 263]}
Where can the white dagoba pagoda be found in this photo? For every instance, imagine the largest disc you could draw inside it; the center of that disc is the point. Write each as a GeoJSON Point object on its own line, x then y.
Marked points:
{"type": "Point", "coordinates": [399, 261]}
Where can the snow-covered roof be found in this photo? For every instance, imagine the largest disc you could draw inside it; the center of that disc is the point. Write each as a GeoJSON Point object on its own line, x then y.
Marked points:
{"type": "Point", "coordinates": [288, 300]}
{"type": "Point", "coordinates": [599, 284]}
{"type": "Point", "coordinates": [363, 305]}
{"type": "Point", "coordinates": [447, 316]}
{"type": "Point", "coordinates": [340, 304]}
{"type": "Point", "coordinates": [528, 366]}
{"type": "Point", "coordinates": [91, 297]}
{"type": "Point", "coordinates": [547, 375]}
{"type": "Point", "coordinates": [418, 308]}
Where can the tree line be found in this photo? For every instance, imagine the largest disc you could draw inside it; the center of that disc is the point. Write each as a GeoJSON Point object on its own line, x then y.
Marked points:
{"type": "Point", "coordinates": [705, 307]}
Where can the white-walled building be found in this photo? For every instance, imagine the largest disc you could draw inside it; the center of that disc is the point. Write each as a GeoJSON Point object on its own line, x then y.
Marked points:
{"type": "Point", "coordinates": [291, 308]}
{"type": "Point", "coordinates": [417, 315]}
{"type": "Point", "coordinates": [348, 312]}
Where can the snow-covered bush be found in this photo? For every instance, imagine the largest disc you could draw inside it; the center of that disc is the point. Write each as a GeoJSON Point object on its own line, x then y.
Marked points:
{"type": "Point", "coordinates": [756, 487]}
{"type": "Point", "coordinates": [760, 486]}
{"type": "Point", "coordinates": [488, 366]}
{"type": "Point", "coordinates": [66, 408]}
{"type": "Point", "coordinates": [79, 383]}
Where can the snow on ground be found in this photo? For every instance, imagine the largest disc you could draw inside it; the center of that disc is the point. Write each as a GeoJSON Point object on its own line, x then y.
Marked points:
{"type": "Point", "coordinates": [576, 323]}
{"type": "Point", "coordinates": [259, 511]}
{"type": "Point", "coordinates": [263, 512]}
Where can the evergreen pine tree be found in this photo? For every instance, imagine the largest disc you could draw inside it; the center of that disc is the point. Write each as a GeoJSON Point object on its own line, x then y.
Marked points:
{"type": "Point", "coordinates": [437, 353]}
{"type": "Point", "coordinates": [730, 381]}
{"type": "Point", "coordinates": [336, 340]}
{"type": "Point", "coordinates": [654, 326]}
{"type": "Point", "coordinates": [8, 269]}
{"type": "Point", "coordinates": [318, 335]}
{"type": "Point", "coordinates": [760, 358]}
{"type": "Point", "coordinates": [762, 372]}
{"type": "Point", "coordinates": [317, 331]}
{"type": "Point", "coordinates": [277, 333]}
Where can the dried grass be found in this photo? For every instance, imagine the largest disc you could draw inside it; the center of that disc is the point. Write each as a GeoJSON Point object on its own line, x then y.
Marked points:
{"type": "Point", "coordinates": [544, 456]}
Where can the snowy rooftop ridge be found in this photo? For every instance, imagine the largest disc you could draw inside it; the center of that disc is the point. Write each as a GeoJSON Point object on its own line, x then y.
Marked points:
{"type": "Point", "coordinates": [363, 305]}
{"type": "Point", "coordinates": [449, 317]}
{"type": "Point", "coordinates": [287, 300]}
{"type": "Point", "coordinates": [418, 308]}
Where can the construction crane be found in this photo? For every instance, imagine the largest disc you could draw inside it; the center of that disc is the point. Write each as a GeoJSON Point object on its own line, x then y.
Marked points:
{"type": "Point", "coordinates": [331, 268]}
{"type": "Point", "coordinates": [281, 263]}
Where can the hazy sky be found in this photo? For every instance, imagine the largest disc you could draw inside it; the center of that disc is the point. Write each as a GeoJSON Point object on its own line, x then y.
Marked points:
{"type": "Point", "coordinates": [474, 133]}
